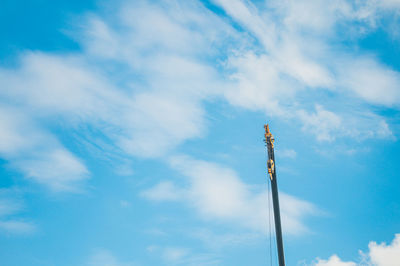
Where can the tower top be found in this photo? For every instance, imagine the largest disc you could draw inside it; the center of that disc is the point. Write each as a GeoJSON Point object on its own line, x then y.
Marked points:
{"type": "Point", "coordinates": [266, 128]}
{"type": "Point", "coordinates": [269, 138]}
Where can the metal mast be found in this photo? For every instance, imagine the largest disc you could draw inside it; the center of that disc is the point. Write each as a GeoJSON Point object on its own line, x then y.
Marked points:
{"type": "Point", "coordinates": [269, 139]}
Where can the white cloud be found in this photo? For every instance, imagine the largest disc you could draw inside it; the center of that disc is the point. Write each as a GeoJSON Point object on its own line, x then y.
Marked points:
{"type": "Point", "coordinates": [256, 84]}
{"type": "Point", "coordinates": [218, 194]}
{"type": "Point", "coordinates": [139, 82]}
{"type": "Point", "coordinates": [315, 15]}
{"type": "Point", "coordinates": [150, 41]}
{"type": "Point", "coordinates": [58, 84]}
{"type": "Point", "coordinates": [149, 98]}
{"type": "Point", "coordinates": [37, 153]}
{"type": "Point", "coordinates": [383, 254]}
{"type": "Point", "coordinates": [17, 227]}
{"type": "Point", "coordinates": [323, 124]}
{"type": "Point", "coordinates": [164, 191]}
{"type": "Point", "coordinates": [247, 15]}
{"type": "Point", "coordinates": [217, 240]}
{"type": "Point", "coordinates": [10, 209]}
{"type": "Point", "coordinates": [147, 30]}
{"type": "Point", "coordinates": [147, 115]}
{"type": "Point", "coordinates": [378, 255]}
{"type": "Point", "coordinates": [157, 123]}
{"type": "Point", "coordinates": [371, 81]}
{"type": "Point", "coordinates": [297, 58]}
{"type": "Point", "coordinates": [104, 257]}
{"type": "Point", "coordinates": [12, 140]}
{"type": "Point", "coordinates": [144, 123]}
{"type": "Point", "coordinates": [8, 206]}
{"type": "Point", "coordinates": [287, 153]}
{"type": "Point", "coordinates": [334, 260]}
{"type": "Point", "coordinates": [326, 125]}
{"type": "Point", "coordinates": [57, 168]}
{"type": "Point", "coordinates": [378, 8]}
{"type": "Point", "coordinates": [389, 3]}
{"type": "Point", "coordinates": [124, 204]}
{"type": "Point", "coordinates": [174, 254]}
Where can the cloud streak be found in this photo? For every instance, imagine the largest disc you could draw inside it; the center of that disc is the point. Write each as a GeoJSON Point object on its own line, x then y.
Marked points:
{"type": "Point", "coordinates": [10, 209]}
{"type": "Point", "coordinates": [37, 153]}
{"type": "Point", "coordinates": [218, 194]}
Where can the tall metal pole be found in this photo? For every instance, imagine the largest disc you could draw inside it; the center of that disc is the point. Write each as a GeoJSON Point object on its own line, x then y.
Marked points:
{"type": "Point", "coordinates": [269, 139]}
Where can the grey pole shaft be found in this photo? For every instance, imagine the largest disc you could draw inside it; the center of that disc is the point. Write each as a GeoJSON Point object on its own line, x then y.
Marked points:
{"type": "Point", "coordinates": [275, 200]}
{"type": "Point", "coordinates": [277, 216]}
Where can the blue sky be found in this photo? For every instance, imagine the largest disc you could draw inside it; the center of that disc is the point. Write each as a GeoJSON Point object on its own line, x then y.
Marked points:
{"type": "Point", "coordinates": [131, 133]}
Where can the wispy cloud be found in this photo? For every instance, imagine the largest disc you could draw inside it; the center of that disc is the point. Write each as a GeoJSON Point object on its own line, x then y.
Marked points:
{"type": "Point", "coordinates": [164, 191]}
{"type": "Point", "coordinates": [288, 153]}
{"type": "Point", "coordinates": [103, 257]}
{"type": "Point", "coordinates": [216, 240]}
{"type": "Point", "coordinates": [173, 255]}
{"type": "Point", "coordinates": [10, 220]}
{"type": "Point", "coordinates": [17, 227]}
{"type": "Point", "coordinates": [37, 153]}
{"type": "Point", "coordinates": [218, 194]}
